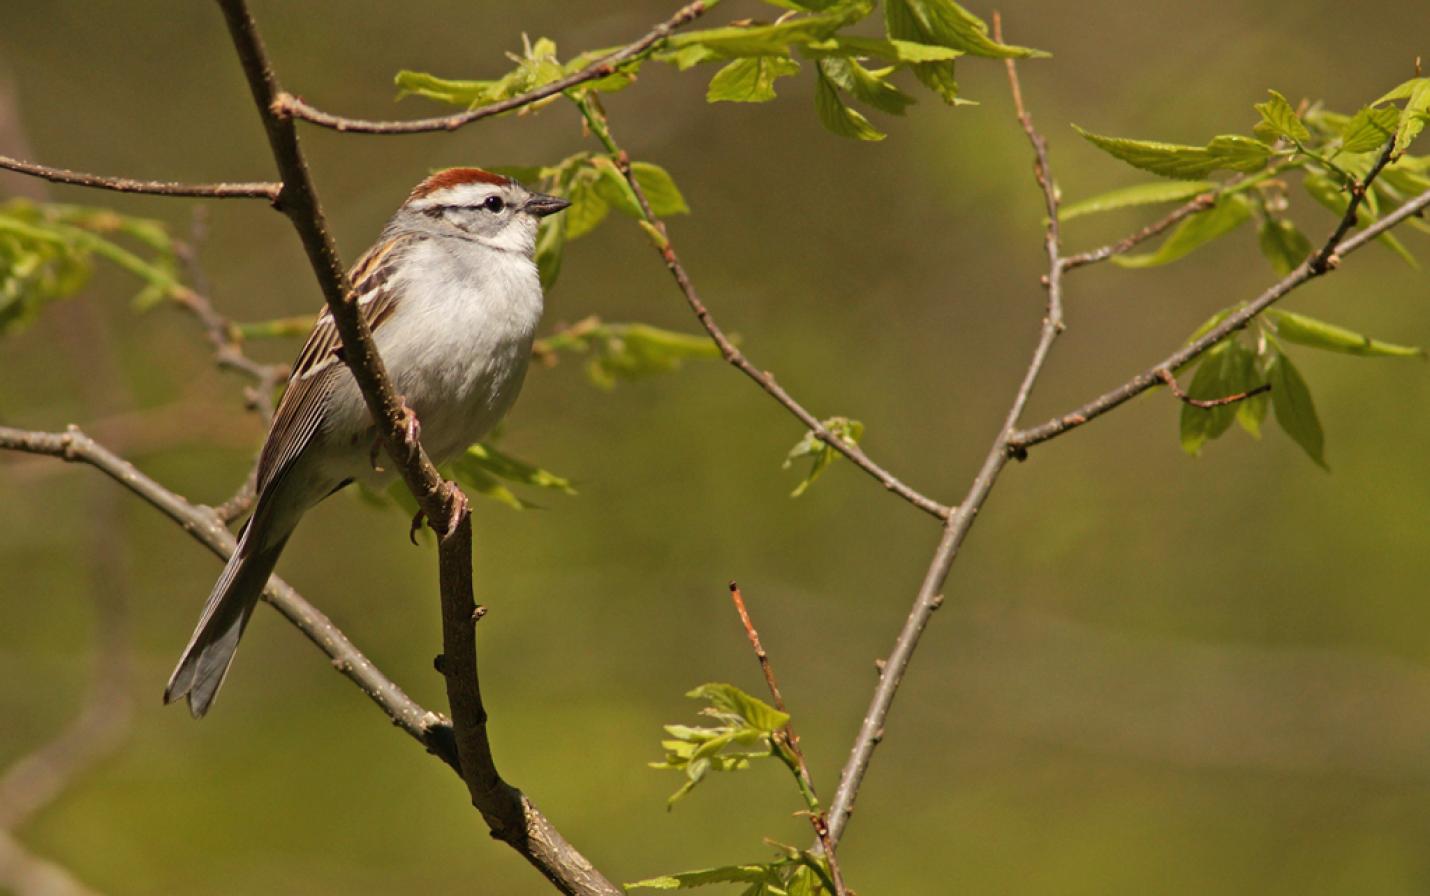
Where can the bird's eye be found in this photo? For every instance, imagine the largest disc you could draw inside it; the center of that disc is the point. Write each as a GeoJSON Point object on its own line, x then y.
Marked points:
{"type": "Point", "coordinates": [493, 204]}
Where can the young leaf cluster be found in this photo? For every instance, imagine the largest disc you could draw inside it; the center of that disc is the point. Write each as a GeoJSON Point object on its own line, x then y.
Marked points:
{"type": "Point", "coordinates": [744, 728]}
{"type": "Point", "coordinates": [1234, 367]}
{"type": "Point", "coordinates": [820, 453]}
{"type": "Point", "coordinates": [481, 470]}
{"type": "Point", "coordinates": [624, 351]}
{"type": "Point", "coordinates": [1331, 154]}
{"type": "Point", "coordinates": [47, 253]}
{"type": "Point", "coordinates": [924, 37]}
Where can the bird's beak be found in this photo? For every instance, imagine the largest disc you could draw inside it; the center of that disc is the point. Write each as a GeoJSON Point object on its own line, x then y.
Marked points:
{"type": "Point", "coordinates": [540, 205]}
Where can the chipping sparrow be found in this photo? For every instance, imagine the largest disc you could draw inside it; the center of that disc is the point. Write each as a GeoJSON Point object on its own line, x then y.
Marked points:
{"type": "Point", "coordinates": [453, 299]}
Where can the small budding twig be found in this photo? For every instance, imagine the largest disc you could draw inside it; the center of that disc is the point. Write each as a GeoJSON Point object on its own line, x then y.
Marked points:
{"type": "Point", "coordinates": [1197, 204]}
{"type": "Point", "coordinates": [1208, 403]}
{"type": "Point", "coordinates": [790, 741]}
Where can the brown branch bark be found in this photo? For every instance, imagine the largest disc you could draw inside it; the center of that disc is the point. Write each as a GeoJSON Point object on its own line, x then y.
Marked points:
{"type": "Point", "coordinates": [228, 190]}
{"type": "Point", "coordinates": [290, 106]}
{"type": "Point", "coordinates": [1167, 377]}
{"type": "Point", "coordinates": [511, 816]}
{"type": "Point", "coordinates": [930, 596]}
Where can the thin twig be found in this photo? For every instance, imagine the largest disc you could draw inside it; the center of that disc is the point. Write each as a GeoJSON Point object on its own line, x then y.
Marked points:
{"type": "Point", "coordinates": [660, 238]}
{"type": "Point", "coordinates": [290, 106]}
{"type": "Point", "coordinates": [790, 741]}
{"type": "Point", "coordinates": [1195, 205]}
{"type": "Point", "coordinates": [1167, 377]}
{"type": "Point", "coordinates": [228, 190]}
{"type": "Point", "coordinates": [1327, 259]}
{"type": "Point", "coordinates": [930, 596]}
{"type": "Point", "coordinates": [510, 815]}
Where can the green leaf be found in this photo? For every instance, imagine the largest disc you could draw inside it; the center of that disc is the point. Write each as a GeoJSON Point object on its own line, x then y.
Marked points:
{"type": "Point", "coordinates": [865, 85]}
{"type": "Point", "coordinates": [1369, 128]}
{"type": "Point", "coordinates": [1227, 369]}
{"type": "Point", "coordinates": [1303, 330]}
{"type": "Point", "coordinates": [1416, 93]}
{"type": "Point", "coordinates": [513, 470]}
{"type": "Point", "coordinates": [947, 24]}
{"type": "Point", "coordinates": [822, 455]}
{"type": "Point", "coordinates": [749, 80]}
{"type": "Point", "coordinates": [898, 52]}
{"type": "Point", "coordinates": [1295, 412]}
{"type": "Point", "coordinates": [1141, 194]}
{"type": "Point", "coordinates": [1198, 230]}
{"type": "Point", "coordinates": [839, 118]}
{"type": "Point", "coordinates": [1280, 117]}
{"type": "Point", "coordinates": [728, 874]}
{"type": "Point", "coordinates": [588, 205]}
{"type": "Point", "coordinates": [655, 182]}
{"type": "Point", "coordinates": [1228, 152]}
{"type": "Point", "coordinates": [536, 66]}
{"type": "Point", "coordinates": [1283, 245]}
{"type": "Point", "coordinates": [728, 699]}
{"type": "Point", "coordinates": [735, 41]}
{"type": "Point", "coordinates": [938, 76]}
{"type": "Point", "coordinates": [550, 248]}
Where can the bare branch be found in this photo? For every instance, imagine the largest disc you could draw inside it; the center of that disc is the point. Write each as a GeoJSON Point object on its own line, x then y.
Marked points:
{"type": "Point", "coordinates": [762, 378]}
{"type": "Point", "coordinates": [930, 596]}
{"type": "Point", "coordinates": [1166, 376]}
{"type": "Point", "coordinates": [228, 190]}
{"type": "Point", "coordinates": [290, 106]}
{"type": "Point", "coordinates": [1196, 204]}
{"type": "Point", "coordinates": [511, 817]}
{"type": "Point", "coordinates": [790, 741]}
{"type": "Point", "coordinates": [1328, 258]}
{"type": "Point", "coordinates": [74, 446]}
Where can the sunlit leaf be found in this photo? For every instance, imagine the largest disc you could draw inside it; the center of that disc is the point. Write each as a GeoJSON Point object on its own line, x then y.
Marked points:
{"type": "Point", "coordinates": [1278, 114]}
{"type": "Point", "coordinates": [753, 711]}
{"type": "Point", "coordinates": [1369, 129]}
{"type": "Point", "coordinates": [839, 118]}
{"type": "Point", "coordinates": [1142, 194]}
{"type": "Point", "coordinates": [865, 85]}
{"type": "Point", "coordinates": [749, 80]}
{"type": "Point", "coordinates": [1228, 152]}
{"type": "Point", "coordinates": [1308, 331]}
{"type": "Point", "coordinates": [820, 454]}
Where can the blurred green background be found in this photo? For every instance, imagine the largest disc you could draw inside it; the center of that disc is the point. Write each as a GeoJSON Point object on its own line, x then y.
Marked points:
{"type": "Point", "coordinates": [1152, 674]}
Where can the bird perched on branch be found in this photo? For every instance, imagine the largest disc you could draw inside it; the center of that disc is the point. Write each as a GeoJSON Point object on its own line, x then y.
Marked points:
{"type": "Point", "coordinates": [452, 295]}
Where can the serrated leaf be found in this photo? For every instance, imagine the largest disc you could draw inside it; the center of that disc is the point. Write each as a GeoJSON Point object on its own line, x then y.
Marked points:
{"type": "Point", "coordinates": [735, 42]}
{"type": "Point", "coordinates": [660, 190]}
{"type": "Point", "coordinates": [1283, 245]}
{"type": "Point", "coordinates": [893, 50]}
{"type": "Point", "coordinates": [865, 85]}
{"type": "Point", "coordinates": [839, 118]}
{"type": "Point", "coordinates": [749, 80]}
{"type": "Point", "coordinates": [1295, 412]}
{"type": "Point", "coordinates": [947, 24]}
{"type": "Point", "coordinates": [1196, 231]}
{"type": "Point", "coordinates": [938, 76]}
{"type": "Point", "coordinates": [755, 712]}
{"type": "Point", "coordinates": [1280, 117]}
{"type": "Point", "coordinates": [1369, 129]}
{"type": "Point", "coordinates": [1413, 116]}
{"type": "Point", "coordinates": [1303, 330]}
{"type": "Point", "coordinates": [728, 874]}
{"type": "Point", "coordinates": [1228, 152]}
{"type": "Point", "coordinates": [1140, 194]}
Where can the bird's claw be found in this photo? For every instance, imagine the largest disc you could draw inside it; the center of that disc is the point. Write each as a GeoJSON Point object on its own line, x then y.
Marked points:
{"type": "Point", "coordinates": [418, 519]}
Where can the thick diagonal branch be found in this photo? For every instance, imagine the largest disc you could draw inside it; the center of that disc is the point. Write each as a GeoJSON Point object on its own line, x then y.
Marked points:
{"type": "Point", "coordinates": [510, 815]}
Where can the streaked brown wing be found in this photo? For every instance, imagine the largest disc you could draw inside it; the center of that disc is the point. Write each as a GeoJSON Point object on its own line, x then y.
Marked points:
{"type": "Point", "coordinates": [317, 370]}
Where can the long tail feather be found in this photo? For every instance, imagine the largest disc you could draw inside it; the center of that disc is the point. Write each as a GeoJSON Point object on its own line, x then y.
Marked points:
{"type": "Point", "coordinates": [206, 659]}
